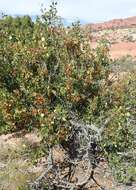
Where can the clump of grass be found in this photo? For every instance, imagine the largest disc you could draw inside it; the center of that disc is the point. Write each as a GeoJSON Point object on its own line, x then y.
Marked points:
{"type": "Point", "coordinates": [124, 64]}
{"type": "Point", "coordinates": [15, 166]}
{"type": "Point", "coordinates": [15, 174]}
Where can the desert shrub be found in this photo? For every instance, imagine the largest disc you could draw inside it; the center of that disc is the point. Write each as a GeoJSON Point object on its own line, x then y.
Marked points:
{"type": "Point", "coordinates": [56, 73]}
{"type": "Point", "coordinates": [119, 136]}
{"type": "Point", "coordinates": [49, 74]}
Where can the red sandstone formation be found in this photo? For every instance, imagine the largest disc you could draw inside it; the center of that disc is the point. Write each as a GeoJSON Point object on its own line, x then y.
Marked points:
{"type": "Point", "coordinates": [114, 24]}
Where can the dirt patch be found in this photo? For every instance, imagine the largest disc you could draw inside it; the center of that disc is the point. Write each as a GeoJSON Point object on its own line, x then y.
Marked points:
{"type": "Point", "coordinates": [16, 167]}
{"type": "Point", "coordinates": [122, 49]}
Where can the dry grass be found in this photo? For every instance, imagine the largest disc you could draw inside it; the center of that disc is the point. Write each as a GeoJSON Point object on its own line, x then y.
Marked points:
{"type": "Point", "coordinates": [16, 168]}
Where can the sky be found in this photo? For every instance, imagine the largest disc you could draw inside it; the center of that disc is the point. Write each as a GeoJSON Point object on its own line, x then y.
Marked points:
{"type": "Point", "coordinates": [85, 10]}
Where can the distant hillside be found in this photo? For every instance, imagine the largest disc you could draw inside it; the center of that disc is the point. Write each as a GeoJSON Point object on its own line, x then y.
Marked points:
{"type": "Point", "coordinates": [114, 24]}
{"type": "Point", "coordinates": [120, 33]}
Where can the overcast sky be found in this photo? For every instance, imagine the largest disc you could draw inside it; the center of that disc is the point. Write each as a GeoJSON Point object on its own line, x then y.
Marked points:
{"type": "Point", "coordinates": [86, 10]}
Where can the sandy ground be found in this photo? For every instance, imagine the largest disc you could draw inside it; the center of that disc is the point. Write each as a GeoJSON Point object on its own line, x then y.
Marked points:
{"type": "Point", "coordinates": [121, 49]}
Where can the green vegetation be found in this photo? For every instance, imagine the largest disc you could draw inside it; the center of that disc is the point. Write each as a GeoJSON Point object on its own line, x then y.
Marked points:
{"type": "Point", "coordinates": [49, 72]}
{"type": "Point", "coordinates": [120, 134]}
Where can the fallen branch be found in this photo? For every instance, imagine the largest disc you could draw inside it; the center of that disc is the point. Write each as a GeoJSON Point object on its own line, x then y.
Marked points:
{"type": "Point", "coordinates": [82, 147]}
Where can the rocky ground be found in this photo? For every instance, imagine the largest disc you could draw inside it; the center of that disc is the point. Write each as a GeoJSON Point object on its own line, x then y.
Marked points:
{"type": "Point", "coordinates": [16, 168]}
